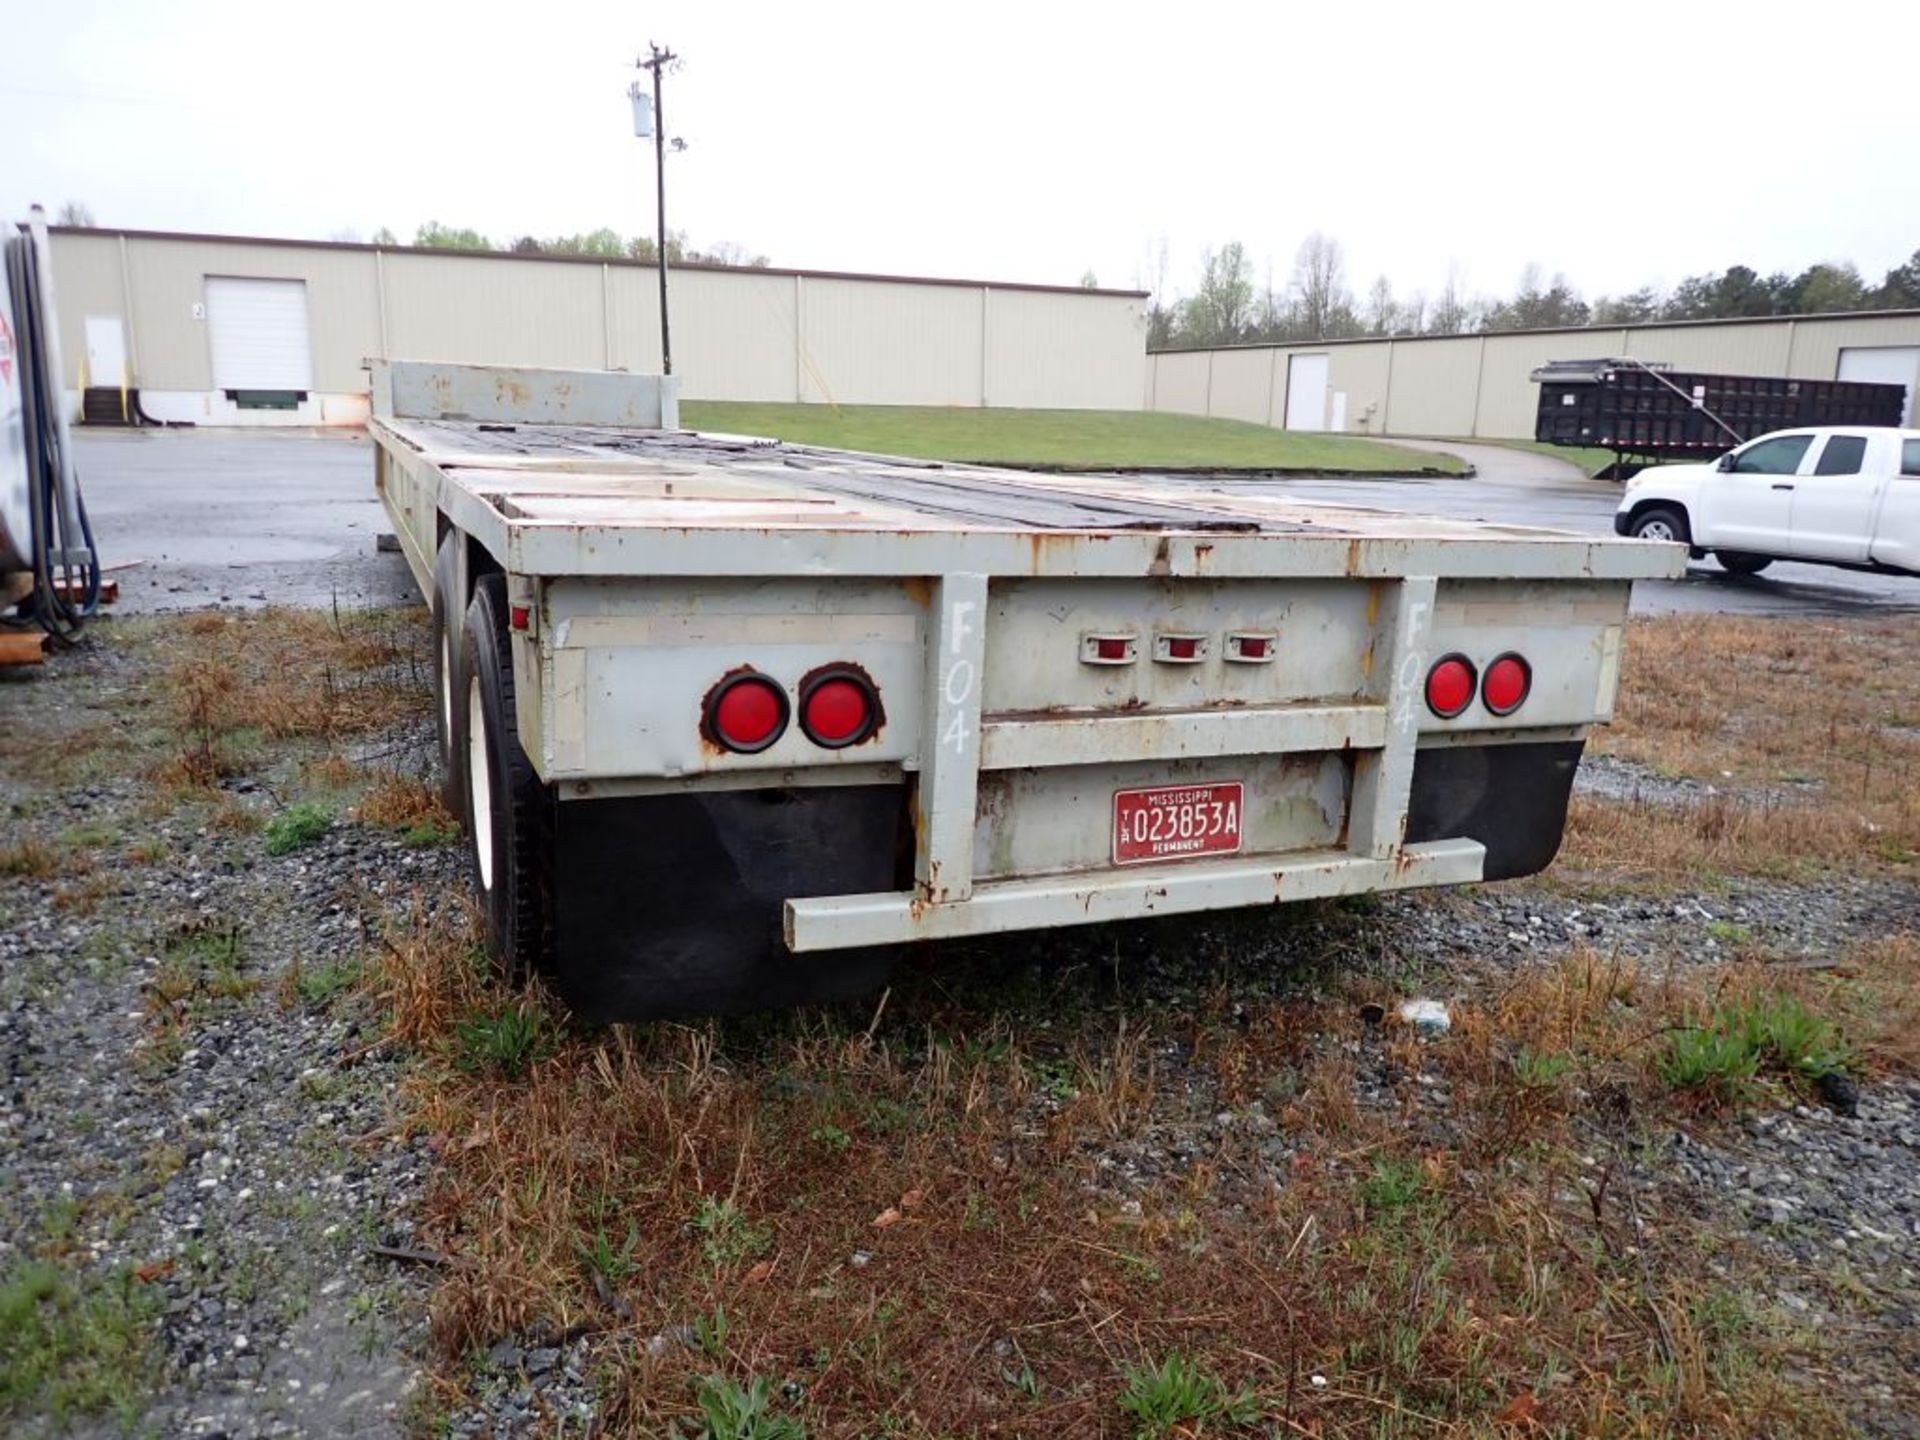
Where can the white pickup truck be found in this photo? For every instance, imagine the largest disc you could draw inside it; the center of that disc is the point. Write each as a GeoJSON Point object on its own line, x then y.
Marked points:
{"type": "Point", "coordinates": [1839, 496]}
{"type": "Point", "coordinates": [730, 721]}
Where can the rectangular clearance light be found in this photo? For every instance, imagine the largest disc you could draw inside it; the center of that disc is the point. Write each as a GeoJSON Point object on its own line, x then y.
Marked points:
{"type": "Point", "coordinates": [1109, 649]}
{"type": "Point", "coordinates": [1251, 647]}
{"type": "Point", "coordinates": [1177, 649]}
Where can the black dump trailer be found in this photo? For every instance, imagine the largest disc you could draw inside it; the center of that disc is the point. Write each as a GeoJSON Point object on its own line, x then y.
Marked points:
{"type": "Point", "coordinates": [1647, 411]}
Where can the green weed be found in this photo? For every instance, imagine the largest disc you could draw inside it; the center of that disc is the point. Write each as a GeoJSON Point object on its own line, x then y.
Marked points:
{"type": "Point", "coordinates": [89, 836]}
{"type": "Point", "coordinates": [297, 827]}
{"type": "Point", "coordinates": [710, 1333]}
{"type": "Point", "coordinates": [317, 985]}
{"type": "Point", "coordinates": [207, 962]}
{"type": "Point", "coordinates": [1708, 1059]}
{"type": "Point", "coordinates": [1786, 1034]}
{"type": "Point", "coordinates": [726, 1235]}
{"type": "Point", "coordinates": [150, 851]}
{"type": "Point", "coordinates": [1178, 1397]}
{"type": "Point", "coordinates": [1393, 1185]}
{"type": "Point", "coordinates": [1740, 1037]}
{"type": "Point", "coordinates": [1541, 1069]}
{"type": "Point", "coordinates": [506, 1041]}
{"type": "Point", "coordinates": [430, 834]}
{"type": "Point", "coordinates": [604, 1258]}
{"type": "Point", "coordinates": [731, 1411]}
{"type": "Point", "coordinates": [832, 1137]}
{"type": "Point", "coordinates": [75, 1346]}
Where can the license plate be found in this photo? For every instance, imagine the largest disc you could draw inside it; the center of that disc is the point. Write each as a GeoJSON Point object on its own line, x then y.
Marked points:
{"type": "Point", "coordinates": [1176, 821]}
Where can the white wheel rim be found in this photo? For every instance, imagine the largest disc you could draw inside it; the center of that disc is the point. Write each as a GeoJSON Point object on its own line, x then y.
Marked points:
{"type": "Point", "coordinates": [1656, 530]}
{"type": "Point", "coordinates": [479, 784]}
{"type": "Point", "coordinates": [446, 685]}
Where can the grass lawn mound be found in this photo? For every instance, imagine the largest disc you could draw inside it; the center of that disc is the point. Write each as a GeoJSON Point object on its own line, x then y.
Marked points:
{"type": "Point", "coordinates": [1066, 439]}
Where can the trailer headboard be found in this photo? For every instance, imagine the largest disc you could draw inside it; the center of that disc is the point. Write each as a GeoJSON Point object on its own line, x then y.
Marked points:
{"type": "Point", "coordinates": [518, 394]}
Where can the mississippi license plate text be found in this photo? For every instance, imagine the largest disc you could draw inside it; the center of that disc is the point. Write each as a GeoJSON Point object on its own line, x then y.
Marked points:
{"type": "Point", "coordinates": [1176, 821]}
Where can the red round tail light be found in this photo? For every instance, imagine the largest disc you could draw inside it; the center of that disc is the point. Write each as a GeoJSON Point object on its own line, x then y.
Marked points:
{"type": "Point", "coordinates": [1450, 686]}
{"type": "Point", "coordinates": [838, 708]}
{"type": "Point", "coordinates": [1507, 681]}
{"type": "Point", "coordinates": [746, 712]}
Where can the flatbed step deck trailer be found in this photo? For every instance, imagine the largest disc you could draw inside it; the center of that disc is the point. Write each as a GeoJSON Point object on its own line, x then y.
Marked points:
{"type": "Point", "coordinates": [731, 720]}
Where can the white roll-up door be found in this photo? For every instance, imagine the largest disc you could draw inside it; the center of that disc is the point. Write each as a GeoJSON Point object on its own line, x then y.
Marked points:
{"type": "Point", "coordinates": [1888, 364]}
{"type": "Point", "coordinates": [1306, 392]}
{"type": "Point", "coordinates": [258, 333]}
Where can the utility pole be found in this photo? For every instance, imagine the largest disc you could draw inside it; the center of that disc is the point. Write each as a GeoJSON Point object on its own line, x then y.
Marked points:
{"type": "Point", "coordinates": [657, 60]}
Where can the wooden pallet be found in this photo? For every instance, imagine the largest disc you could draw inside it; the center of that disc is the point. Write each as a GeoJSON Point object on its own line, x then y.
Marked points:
{"type": "Point", "coordinates": [23, 647]}
{"type": "Point", "coordinates": [77, 594]}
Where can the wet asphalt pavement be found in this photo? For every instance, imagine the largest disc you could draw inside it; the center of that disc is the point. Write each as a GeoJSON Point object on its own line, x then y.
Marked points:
{"type": "Point", "coordinates": [205, 517]}
{"type": "Point", "coordinates": [202, 517]}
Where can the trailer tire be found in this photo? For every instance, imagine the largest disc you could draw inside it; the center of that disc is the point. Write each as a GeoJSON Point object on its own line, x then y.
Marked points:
{"type": "Point", "coordinates": [1661, 522]}
{"type": "Point", "coordinates": [449, 728]}
{"type": "Point", "coordinates": [509, 811]}
{"type": "Point", "coordinates": [1741, 562]}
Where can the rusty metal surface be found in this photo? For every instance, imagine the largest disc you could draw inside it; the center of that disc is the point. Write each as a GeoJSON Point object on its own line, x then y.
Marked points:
{"type": "Point", "coordinates": [584, 473]}
{"type": "Point", "coordinates": [496, 394]}
{"type": "Point", "coordinates": [586, 500]}
{"type": "Point", "coordinates": [835, 922]}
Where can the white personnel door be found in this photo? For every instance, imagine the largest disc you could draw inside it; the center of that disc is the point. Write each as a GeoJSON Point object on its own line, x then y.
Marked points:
{"type": "Point", "coordinates": [257, 332]}
{"type": "Point", "coordinates": [107, 352]}
{"type": "Point", "coordinates": [1887, 364]}
{"type": "Point", "coordinates": [1307, 392]}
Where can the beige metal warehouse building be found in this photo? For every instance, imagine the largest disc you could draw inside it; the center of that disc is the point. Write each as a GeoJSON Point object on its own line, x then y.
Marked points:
{"type": "Point", "coordinates": [227, 330]}
{"type": "Point", "coordinates": [1477, 385]}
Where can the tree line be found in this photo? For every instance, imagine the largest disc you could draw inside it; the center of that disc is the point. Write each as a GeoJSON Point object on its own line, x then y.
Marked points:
{"type": "Point", "coordinates": [603, 244]}
{"type": "Point", "coordinates": [1230, 306]}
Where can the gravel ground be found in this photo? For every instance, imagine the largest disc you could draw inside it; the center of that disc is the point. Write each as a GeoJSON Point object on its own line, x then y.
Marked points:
{"type": "Point", "coordinates": [242, 1162]}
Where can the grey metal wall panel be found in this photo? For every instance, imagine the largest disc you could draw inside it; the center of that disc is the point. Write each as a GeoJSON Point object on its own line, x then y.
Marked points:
{"type": "Point", "coordinates": [735, 336]}
{"type": "Point", "coordinates": [1508, 398]}
{"type": "Point", "coordinates": [87, 281]}
{"type": "Point", "coordinates": [1180, 381]}
{"type": "Point", "coordinates": [1468, 385]}
{"type": "Point", "coordinates": [1360, 373]}
{"type": "Point", "coordinates": [892, 344]}
{"type": "Point", "coordinates": [1714, 349]}
{"type": "Point", "coordinates": [1242, 386]}
{"type": "Point", "coordinates": [495, 312]}
{"type": "Point", "coordinates": [738, 334]}
{"type": "Point", "coordinates": [1064, 351]}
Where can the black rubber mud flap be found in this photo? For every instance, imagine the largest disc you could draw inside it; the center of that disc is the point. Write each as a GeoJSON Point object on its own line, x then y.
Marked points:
{"type": "Point", "coordinates": [513, 882]}
{"type": "Point", "coordinates": [669, 906]}
{"type": "Point", "coordinates": [1511, 798]}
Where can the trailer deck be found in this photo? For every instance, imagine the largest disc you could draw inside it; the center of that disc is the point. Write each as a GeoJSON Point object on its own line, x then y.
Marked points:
{"type": "Point", "coordinates": [557, 496]}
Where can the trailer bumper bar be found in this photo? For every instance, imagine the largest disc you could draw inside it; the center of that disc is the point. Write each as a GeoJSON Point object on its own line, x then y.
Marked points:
{"type": "Point", "coordinates": [835, 922]}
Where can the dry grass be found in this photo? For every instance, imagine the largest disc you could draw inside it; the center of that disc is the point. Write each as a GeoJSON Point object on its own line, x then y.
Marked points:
{"type": "Point", "coordinates": [405, 803]}
{"type": "Point", "coordinates": [232, 681]}
{"type": "Point", "coordinates": [29, 858]}
{"type": "Point", "coordinates": [1809, 731]}
{"type": "Point", "coordinates": [966, 1214]}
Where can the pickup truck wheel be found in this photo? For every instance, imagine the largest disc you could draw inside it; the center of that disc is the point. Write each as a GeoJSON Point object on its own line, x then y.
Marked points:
{"type": "Point", "coordinates": [449, 717]}
{"type": "Point", "coordinates": [1657, 522]}
{"type": "Point", "coordinates": [509, 811]}
{"type": "Point", "coordinates": [1738, 562]}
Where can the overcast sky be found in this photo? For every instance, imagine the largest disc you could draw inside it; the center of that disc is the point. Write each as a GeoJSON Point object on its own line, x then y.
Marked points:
{"type": "Point", "coordinates": [1622, 143]}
